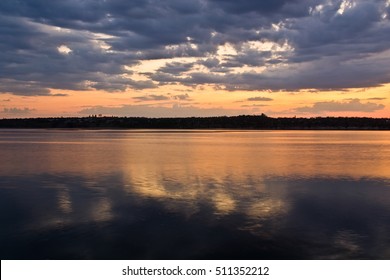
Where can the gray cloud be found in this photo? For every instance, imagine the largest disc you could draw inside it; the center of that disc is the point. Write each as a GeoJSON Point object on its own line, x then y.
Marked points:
{"type": "Point", "coordinates": [259, 98]}
{"type": "Point", "coordinates": [176, 68]}
{"type": "Point", "coordinates": [151, 97]}
{"type": "Point", "coordinates": [159, 97]}
{"type": "Point", "coordinates": [185, 97]}
{"type": "Point", "coordinates": [60, 94]}
{"type": "Point", "coordinates": [377, 98]}
{"type": "Point", "coordinates": [24, 88]}
{"type": "Point", "coordinates": [18, 111]}
{"type": "Point", "coordinates": [353, 105]}
{"type": "Point", "coordinates": [318, 44]}
{"type": "Point", "coordinates": [254, 105]}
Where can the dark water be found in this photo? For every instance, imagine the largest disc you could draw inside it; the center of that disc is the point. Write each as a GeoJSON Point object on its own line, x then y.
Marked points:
{"type": "Point", "coordinates": [194, 195]}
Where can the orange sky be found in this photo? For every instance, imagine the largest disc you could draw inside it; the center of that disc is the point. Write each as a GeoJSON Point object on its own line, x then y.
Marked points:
{"type": "Point", "coordinates": [206, 101]}
{"type": "Point", "coordinates": [206, 58]}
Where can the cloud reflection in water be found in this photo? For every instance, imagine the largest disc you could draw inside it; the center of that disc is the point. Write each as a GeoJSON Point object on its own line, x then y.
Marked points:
{"type": "Point", "coordinates": [313, 218]}
{"type": "Point", "coordinates": [223, 195]}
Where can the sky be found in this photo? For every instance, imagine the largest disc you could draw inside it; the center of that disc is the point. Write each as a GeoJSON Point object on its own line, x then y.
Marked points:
{"type": "Point", "coordinates": [177, 58]}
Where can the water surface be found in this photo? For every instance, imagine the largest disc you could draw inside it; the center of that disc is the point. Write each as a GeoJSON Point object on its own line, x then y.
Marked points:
{"type": "Point", "coordinates": [144, 194]}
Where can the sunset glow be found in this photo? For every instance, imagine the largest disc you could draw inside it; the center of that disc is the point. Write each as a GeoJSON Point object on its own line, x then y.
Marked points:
{"type": "Point", "coordinates": [194, 58]}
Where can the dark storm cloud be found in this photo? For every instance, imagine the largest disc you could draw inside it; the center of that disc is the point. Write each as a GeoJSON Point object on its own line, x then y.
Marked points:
{"type": "Point", "coordinates": [277, 9]}
{"type": "Point", "coordinates": [321, 44]}
{"type": "Point", "coordinates": [358, 30]}
{"type": "Point", "coordinates": [35, 57]}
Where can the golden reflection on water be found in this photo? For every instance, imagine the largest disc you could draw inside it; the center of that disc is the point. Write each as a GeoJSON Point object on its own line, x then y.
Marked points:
{"type": "Point", "coordinates": [203, 154]}
{"type": "Point", "coordinates": [226, 169]}
{"type": "Point", "coordinates": [101, 210]}
{"type": "Point", "coordinates": [64, 201]}
{"type": "Point", "coordinates": [262, 182]}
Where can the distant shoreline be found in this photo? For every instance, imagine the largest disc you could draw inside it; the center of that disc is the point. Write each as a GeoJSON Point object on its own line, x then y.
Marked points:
{"type": "Point", "coordinates": [244, 122]}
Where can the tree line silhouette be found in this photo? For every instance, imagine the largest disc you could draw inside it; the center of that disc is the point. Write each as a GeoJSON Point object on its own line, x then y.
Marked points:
{"type": "Point", "coordinates": [237, 122]}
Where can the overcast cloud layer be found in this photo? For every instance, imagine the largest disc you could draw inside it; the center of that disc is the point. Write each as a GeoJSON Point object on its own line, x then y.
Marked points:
{"type": "Point", "coordinates": [229, 44]}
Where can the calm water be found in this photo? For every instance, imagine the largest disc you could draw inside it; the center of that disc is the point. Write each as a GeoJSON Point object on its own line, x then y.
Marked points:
{"type": "Point", "coordinates": [194, 194]}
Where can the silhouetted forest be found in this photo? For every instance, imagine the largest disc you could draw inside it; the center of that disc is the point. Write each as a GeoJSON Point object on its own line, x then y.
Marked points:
{"type": "Point", "coordinates": [238, 122]}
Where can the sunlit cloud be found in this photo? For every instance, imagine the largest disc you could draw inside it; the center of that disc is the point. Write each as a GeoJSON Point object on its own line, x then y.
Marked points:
{"type": "Point", "coordinates": [149, 48]}
{"type": "Point", "coordinates": [64, 50]}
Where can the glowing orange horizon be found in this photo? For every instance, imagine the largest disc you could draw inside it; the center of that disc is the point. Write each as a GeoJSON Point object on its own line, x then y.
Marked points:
{"type": "Point", "coordinates": [177, 100]}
